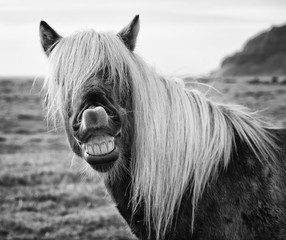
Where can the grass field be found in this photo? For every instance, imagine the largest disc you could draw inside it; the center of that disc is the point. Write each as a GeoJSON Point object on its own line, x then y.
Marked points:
{"type": "Point", "coordinates": [43, 197]}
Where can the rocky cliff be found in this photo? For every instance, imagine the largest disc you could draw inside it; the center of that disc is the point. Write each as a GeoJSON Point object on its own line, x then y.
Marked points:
{"type": "Point", "coordinates": [263, 55]}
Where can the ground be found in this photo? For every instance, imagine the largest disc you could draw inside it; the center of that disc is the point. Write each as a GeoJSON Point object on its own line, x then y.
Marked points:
{"type": "Point", "coordinates": [44, 196]}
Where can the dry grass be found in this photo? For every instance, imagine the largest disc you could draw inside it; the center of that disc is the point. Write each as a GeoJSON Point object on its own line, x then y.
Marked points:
{"type": "Point", "coordinates": [267, 97]}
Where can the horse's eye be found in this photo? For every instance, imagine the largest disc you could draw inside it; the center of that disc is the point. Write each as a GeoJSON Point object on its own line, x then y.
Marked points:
{"type": "Point", "coordinates": [68, 111]}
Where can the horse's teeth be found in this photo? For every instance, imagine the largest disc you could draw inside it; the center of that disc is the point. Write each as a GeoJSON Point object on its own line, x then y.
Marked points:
{"type": "Point", "coordinates": [103, 148]}
{"type": "Point", "coordinates": [96, 150]}
{"type": "Point", "coordinates": [110, 146]}
{"type": "Point", "coordinates": [99, 145]}
{"type": "Point", "coordinates": [89, 148]}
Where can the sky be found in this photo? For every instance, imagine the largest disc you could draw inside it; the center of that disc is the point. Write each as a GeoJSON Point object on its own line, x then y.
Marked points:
{"type": "Point", "coordinates": [189, 37]}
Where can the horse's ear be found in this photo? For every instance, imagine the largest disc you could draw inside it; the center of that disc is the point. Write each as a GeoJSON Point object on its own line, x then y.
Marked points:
{"type": "Point", "coordinates": [49, 37]}
{"type": "Point", "coordinates": [130, 32]}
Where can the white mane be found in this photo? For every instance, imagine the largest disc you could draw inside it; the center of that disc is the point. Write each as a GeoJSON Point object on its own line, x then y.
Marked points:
{"type": "Point", "coordinates": [181, 137]}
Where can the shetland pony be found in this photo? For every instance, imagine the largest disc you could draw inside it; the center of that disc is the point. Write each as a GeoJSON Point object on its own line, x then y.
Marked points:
{"type": "Point", "coordinates": [177, 164]}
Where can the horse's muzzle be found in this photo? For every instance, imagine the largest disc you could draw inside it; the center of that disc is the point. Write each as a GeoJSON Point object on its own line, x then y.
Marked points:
{"type": "Point", "coordinates": [97, 140]}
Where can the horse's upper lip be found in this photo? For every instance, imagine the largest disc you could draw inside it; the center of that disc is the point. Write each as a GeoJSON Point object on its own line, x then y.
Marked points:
{"type": "Point", "coordinates": [86, 136]}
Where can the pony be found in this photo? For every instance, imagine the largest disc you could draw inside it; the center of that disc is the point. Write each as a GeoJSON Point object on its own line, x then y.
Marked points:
{"type": "Point", "coordinates": [178, 164]}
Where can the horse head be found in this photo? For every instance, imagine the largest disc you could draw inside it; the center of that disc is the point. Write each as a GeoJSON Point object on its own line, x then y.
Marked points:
{"type": "Point", "coordinates": [94, 109]}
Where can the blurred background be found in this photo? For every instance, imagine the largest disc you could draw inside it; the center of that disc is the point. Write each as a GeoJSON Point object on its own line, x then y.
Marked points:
{"type": "Point", "coordinates": [239, 47]}
{"type": "Point", "coordinates": [178, 37]}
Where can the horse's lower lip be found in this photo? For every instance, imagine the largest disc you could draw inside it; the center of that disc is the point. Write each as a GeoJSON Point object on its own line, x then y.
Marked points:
{"type": "Point", "coordinates": [102, 159]}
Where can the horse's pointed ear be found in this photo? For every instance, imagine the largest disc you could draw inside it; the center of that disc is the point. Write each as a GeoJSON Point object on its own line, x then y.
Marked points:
{"type": "Point", "coordinates": [130, 32]}
{"type": "Point", "coordinates": [49, 37]}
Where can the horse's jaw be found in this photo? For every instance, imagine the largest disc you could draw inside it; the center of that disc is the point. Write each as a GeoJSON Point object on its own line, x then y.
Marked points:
{"type": "Point", "coordinates": [100, 152]}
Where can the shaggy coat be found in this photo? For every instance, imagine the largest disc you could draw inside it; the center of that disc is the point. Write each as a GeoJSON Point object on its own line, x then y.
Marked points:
{"type": "Point", "coordinates": [183, 165]}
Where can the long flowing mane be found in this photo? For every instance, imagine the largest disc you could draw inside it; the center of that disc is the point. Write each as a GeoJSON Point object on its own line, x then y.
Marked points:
{"type": "Point", "coordinates": [181, 137]}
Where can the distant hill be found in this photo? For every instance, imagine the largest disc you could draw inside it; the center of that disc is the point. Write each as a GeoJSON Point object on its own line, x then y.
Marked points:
{"type": "Point", "coordinates": [262, 55]}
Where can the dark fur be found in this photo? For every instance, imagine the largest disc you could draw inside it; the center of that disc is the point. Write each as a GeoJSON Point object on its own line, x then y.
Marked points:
{"type": "Point", "coordinates": [247, 201]}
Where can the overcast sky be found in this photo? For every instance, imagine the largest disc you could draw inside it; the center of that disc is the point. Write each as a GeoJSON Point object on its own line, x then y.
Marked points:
{"type": "Point", "coordinates": [178, 37]}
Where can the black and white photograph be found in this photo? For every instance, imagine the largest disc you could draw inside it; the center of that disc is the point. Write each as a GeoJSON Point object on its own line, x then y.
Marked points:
{"type": "Point", "coordinates": [142, 120]}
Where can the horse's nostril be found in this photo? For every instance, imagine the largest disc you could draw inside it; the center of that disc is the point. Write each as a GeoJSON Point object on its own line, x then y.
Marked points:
{"type": "Point", "coordinates": [75, 127]}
